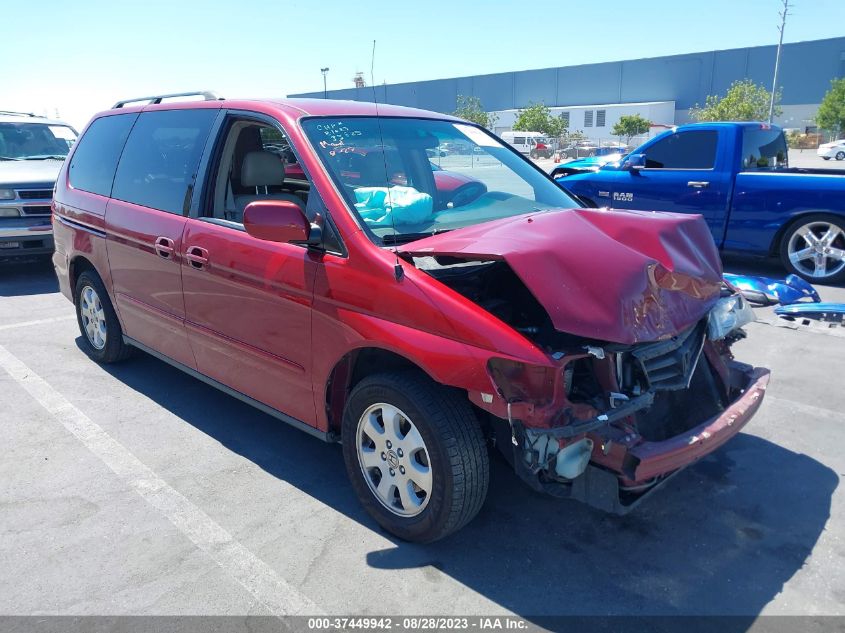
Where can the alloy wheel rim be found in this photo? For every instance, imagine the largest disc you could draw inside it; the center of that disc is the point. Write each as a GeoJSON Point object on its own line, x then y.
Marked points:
{"type": "Point", "coordinates": [817, 249]}
{"type": "Point", "coordinates": [93, 317]}
{"type": "Point", "coordinates": [394, 459]}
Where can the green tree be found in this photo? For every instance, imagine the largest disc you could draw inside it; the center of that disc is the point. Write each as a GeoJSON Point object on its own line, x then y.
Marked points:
{"type": "Point", "coordinates": [744, 101]}
{"type": "Point", "coordinates": [470, 108]}
{"type": "Point", "coordinates": [831, 114]}
{"type": "Point", "coordinates": [630, 125]}
{"type": "Point", "coordinates": [538, 118]}
{"type": "Point", "coordinates": [793, 139]}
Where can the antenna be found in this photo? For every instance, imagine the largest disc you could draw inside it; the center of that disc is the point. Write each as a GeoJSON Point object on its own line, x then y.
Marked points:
{"type": "Point", "coordinates": [398, 271]}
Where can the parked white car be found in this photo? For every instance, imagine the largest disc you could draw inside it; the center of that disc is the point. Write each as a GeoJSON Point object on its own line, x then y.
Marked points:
{"type": "Point", "coordinates": [836, 150]}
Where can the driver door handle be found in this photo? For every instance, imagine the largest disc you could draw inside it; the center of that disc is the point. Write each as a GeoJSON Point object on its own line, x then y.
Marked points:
{"type": "Point", "coordinates": [698, 184]}
{"type": "Point", "coordinates": [164, 247]}
{"type": "Point", "coordinates": [197, 256]}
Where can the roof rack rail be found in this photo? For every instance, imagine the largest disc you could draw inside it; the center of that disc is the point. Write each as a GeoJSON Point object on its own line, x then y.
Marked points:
{"type": "Point", "coordinates": [207, 95]}
{"type": "Point", "coordinates": [29, 114]}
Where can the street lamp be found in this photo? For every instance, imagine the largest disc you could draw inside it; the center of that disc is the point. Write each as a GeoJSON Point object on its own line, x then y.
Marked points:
{"type": "Point", "coordinates": [781, 28]}
{"type": "Point", "coordinates": [324, 71]}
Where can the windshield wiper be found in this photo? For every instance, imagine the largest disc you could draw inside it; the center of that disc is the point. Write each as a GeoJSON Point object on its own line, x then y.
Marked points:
{"type": "Point", "coordinates": [48, 157]}
{"type": "Point", "coordinates": [8, 158]}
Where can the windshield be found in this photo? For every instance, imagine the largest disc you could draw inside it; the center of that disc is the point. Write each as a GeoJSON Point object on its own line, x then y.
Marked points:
{"type": "Point", "coordinates": [35, 141]}
{"type": "Point", "coordinates": [410, 186]}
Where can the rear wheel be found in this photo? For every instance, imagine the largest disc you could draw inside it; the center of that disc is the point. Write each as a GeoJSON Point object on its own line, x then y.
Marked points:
{"type": "Point", "coordinates": [814, 248]}
{"type": "Point", "coordinates": [415, 455]}
{"type": "Point", "coordinates": [840, 155]}
{"type": "Point", "coordinates": [102, 337]}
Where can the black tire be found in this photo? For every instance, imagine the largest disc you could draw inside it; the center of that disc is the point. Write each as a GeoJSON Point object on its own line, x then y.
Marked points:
{"type": "Point", "coordinates": [458, 458]}
{"type": "Point", "coordinates": [114, 349]}
{"type": "Point", "coordinates": [825, 157]}
{"type": "Point", "coordinates": [840, 155]}
{"type": "Point", "coordinates": [836, 278]}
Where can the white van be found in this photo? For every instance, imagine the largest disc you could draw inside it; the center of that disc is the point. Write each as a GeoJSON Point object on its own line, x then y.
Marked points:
{"type": "Point", "coordinates": [535, 144]}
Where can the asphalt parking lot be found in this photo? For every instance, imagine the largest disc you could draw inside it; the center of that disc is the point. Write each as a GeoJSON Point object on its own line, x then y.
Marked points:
{"type": "Point", "coordinates": [136, 489]}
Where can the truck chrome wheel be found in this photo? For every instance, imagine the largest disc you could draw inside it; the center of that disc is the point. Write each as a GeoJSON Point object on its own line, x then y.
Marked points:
{"type": "Point", "coordinates": [93, 317]}
{"type": "Point", "coordinates": [817, 249]}
{"type": "Point", "coordinates": [394, 460]}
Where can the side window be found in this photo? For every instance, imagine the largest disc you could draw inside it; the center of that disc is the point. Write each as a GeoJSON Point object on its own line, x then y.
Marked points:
{"type": "Point", "coordinates": [95, 159]}
{"type": "Point", "coordinates": [763, 149]}
{"type": "Point", "coordinates": [695, 149]}
{"type": "Point", "coordinates": [161, 157]}
{"type": "Point", "coordinates": [274, 141]}
{"type": "Point", "coordinates": [256, 162]}
{"type": "Point", "coordinates": [519, 140]}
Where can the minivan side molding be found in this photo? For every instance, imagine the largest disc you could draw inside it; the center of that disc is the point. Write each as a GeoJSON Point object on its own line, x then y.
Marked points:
{"type": "Point", "coordinates": [75, 224]}
{"type": "Point", "coordinates": [298, 424]}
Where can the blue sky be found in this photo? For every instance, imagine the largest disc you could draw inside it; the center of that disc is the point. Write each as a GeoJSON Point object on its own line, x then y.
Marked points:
{"type": "Point", "coordinates": [80, 56]}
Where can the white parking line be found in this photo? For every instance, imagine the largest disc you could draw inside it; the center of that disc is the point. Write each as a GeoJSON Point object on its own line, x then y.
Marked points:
{"type": "Point", "coordinates": [11, 326]}
{"type": "Point", "coordinates": [252, 573]}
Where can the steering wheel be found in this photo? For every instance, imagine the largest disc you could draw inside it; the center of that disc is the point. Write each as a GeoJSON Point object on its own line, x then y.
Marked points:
{"type": "Point", "coordinates": [465, 194]}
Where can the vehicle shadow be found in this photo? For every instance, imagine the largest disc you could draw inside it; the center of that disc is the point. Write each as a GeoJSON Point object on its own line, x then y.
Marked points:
{"type": "Point", "coordinates": [27, 277]}
{"type": "Point", "coordinates": [723, 537]}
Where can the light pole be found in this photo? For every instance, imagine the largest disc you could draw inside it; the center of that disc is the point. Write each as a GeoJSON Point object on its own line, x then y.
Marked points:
{"type": "Point", "coordinates": [782, 15]}
{"type": "Point", "coordinates": [325, 72]}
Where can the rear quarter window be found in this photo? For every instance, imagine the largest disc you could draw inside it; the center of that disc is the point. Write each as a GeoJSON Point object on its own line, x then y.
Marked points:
{"type": "Point", "coordinates": [763, 149]}
{"type": "Point", "coordinates": [161, 158]}
{"type": "Point", "coordinates": [93, 163]}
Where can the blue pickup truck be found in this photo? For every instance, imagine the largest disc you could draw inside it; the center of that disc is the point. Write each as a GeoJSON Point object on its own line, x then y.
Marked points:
{"type": "Point", "coordinates": [737, 176]}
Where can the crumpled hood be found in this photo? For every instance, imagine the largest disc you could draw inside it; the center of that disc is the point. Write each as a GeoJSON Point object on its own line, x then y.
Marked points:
{"type": "Point", "coordinates": [618, 276]}
{"type": "Point", "coordinates": [26, 173]}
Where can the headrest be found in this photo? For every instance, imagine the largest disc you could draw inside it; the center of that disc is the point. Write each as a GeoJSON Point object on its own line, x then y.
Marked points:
{"type": "Point", "coordinates": [261, 169]}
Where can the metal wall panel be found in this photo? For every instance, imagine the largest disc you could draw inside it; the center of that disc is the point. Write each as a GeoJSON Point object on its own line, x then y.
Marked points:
{"type": "Point", "coordinates": [806, 71]}
{"type": "Point", "coordinates": [591, 84]}
{"type": "Point", "coordinates": [535, 86]}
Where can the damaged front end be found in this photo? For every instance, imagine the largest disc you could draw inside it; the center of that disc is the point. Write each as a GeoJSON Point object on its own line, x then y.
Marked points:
{"type": "Point", "coordinates": [622, 402]}
{"type": "Point", "coordinates": [623, 419]}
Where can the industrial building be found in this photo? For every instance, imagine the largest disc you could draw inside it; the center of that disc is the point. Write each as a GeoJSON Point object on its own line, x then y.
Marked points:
{"type": "Point", "coordinates": [663, 89]}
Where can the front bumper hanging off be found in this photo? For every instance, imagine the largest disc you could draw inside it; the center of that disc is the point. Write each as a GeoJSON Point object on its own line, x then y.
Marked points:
{"type": "Point", "coordinates": [650, 464]}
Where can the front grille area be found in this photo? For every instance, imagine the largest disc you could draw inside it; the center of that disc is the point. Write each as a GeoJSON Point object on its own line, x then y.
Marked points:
{"type": "Point", "coordinates": [669, 365]}
{"type": "Point", "coordinates": [41, 209]}
{"type": "Point", "coordinates": [35, 194]}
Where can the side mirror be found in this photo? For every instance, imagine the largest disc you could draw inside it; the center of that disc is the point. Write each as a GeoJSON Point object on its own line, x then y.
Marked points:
{"type": "Point", "coordinates": [634, 162]}
{"type": "Point", "coordinates": [276, 221]}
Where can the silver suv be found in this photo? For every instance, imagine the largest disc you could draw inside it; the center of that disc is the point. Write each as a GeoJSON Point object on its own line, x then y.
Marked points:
{"type": "Point", "coordinates": [32, 150]}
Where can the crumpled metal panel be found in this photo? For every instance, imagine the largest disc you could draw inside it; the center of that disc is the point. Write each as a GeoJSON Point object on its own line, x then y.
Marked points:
{"type": "Point", "coordinates": [617, 276]}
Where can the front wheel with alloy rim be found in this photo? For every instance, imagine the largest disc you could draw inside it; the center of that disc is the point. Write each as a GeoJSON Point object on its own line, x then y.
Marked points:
{"type": "Point", "coordinates": [415, 455]}
{"type": "Point", "coordinates": [102, 337]}
{"type": "Point", "coordinates": [814, 248]}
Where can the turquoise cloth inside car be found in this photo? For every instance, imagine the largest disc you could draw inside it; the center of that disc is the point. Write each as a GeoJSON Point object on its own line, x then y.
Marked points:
{"type": "Point", "coordinates": [397, 205]}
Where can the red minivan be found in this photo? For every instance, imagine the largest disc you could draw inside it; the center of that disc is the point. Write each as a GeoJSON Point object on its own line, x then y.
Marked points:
{"type": "Point", "coordinates": [312, 258]}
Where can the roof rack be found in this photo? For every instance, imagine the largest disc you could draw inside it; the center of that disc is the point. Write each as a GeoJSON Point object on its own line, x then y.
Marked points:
{"type": "Point", "coordinates": [207, 95]}
{"type": "Point", "coordinates": [29, 114]}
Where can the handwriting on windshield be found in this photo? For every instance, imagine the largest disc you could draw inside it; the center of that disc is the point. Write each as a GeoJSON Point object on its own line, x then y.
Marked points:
{"type": "Point", "coordinates": [337, 134]}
